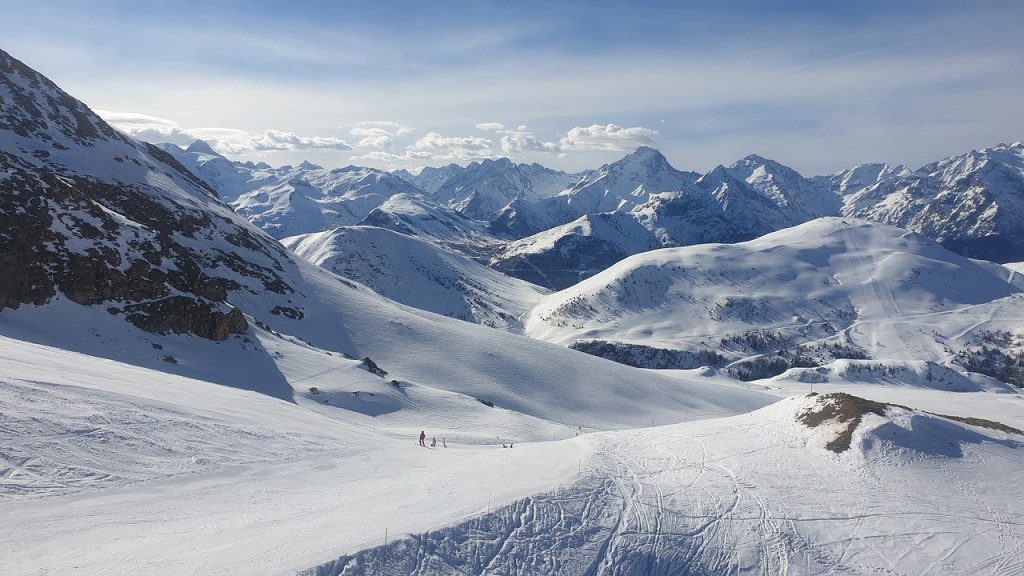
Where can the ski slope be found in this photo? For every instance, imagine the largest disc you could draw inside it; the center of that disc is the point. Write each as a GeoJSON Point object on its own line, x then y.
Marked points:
{"type": "Point", "coordinates": [107, 468]}
{"type": "Point", "coordinates": [111, 469]}
{"type": "Point", "coordinates": [752, 494]}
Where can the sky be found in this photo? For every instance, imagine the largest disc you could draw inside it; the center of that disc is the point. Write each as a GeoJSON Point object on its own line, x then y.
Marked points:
{"type": "Point", "coordinates": [819, 86]}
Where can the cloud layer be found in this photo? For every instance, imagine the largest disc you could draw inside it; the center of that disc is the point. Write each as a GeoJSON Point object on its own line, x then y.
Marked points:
{"type": "Point", "coordinates": [224, 140]}
{"type": "Point", "coordinates": [390, 142]}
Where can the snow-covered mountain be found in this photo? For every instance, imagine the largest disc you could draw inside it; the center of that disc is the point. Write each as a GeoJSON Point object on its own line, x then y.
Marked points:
{"type": "Point", "coordinates": [795, 195]}
{"type": "Point", "coordinates": [626, 183]}
{"type": "Point", "coordinates": [292, 200]}
{"type": "Point", "coordinates": [718, 207]}
{"type": "Point", "coordinates": [615, 187]}
{"type": "Point", "coordinates": [829, 289]}
{"type": "Point", "coordinates": [314, 199]}
{"type": "Point", "coordinates": [483, 188]}
{"type": "Point", "coordinates": [428, 178]}
{"type": "Point", "coordinates": [853, 180]}
{"type": "Point", "coordinates": [418, 216]}
{"type": "Point", "coordinates": [99, 229]}
{"type": "Point", "coordinates": [973, 204]}
{"type": "Point", "coordinates": [91, 216]}
{"type": "Point", "coordinates": [564, 255]}
{"type": "Point", "coordinates": [229, 178]}
{"type": "Point", "coordinates": [418, 273]}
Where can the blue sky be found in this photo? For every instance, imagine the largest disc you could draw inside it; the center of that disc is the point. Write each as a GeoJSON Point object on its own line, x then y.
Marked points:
{"type": "Point", "coordinates": [816, 85]}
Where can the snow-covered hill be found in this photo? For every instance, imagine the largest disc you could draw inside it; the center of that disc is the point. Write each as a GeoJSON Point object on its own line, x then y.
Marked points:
{"type": "Point", "coordinates": [804, 296]}
{"type": "Point", "coordinates": [418, 273]}
{"type": "Point", "coordinates": [564, 255]}
{"type": "Point", "coordinates": [765, 493]}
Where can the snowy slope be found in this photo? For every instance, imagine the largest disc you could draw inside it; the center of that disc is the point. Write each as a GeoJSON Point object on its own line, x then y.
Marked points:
{"type": "Point", "coordinates": [831, 288]}
{"type": "Point", "coordinates": [168, 475]}
{"type": "Point", "coordinates": [417, 273]}
{"type": "Point", "coordinates": [758, 494]}
{"type": "Point", "coordinates": [110, 469]}
{"type": "Point", "coordinates": [564, 255]}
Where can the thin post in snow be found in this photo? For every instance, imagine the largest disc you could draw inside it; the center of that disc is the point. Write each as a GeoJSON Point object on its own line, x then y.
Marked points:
{"type": "Point", "coordinates": [384, 554]}
{"type": "Point", "coordinates": [488, 501]}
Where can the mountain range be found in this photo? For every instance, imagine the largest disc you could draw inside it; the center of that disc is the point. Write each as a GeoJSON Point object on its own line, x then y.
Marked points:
{"type": "Point", "coordinates": [211, 366]}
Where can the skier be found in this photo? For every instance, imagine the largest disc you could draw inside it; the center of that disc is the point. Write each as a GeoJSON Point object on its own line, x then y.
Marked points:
{"type": "Point", "coordinates": [444, 442]}
{"type": "Point", "coordinates": [433, 442]}
{"type": "Point", "coordinates": [423, 438]}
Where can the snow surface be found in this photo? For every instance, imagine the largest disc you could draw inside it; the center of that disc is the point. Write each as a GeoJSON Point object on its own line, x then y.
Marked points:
{"type": "Point", "coordinates": [418, 273]}
{"type": "Point", "coordinates": [893, 294]}
{"type": "Point", "coordinates": [121, 469]}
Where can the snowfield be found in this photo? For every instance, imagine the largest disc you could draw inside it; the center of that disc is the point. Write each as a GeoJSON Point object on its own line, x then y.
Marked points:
{"type": "Point", "coordinates": [121, 469]}
{"type": "Point", "coordinates": [832, 288]}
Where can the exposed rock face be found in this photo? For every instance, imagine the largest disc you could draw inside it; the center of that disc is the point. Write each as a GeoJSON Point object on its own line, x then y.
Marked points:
{"type": "Point", "coordinates": [91, 215]}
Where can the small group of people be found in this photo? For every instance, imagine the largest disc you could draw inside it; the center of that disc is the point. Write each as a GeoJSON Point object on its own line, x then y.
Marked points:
{"type": "Point", "coordinates": [433, 440]}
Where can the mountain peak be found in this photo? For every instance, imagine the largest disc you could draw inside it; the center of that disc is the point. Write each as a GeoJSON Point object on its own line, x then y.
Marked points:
{"type": "Point", "coordinates": [201, 147]}
{"type": "Point", "coordinates": [646, 153]}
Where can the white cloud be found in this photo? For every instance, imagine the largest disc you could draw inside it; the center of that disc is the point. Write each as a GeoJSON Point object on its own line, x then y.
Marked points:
{"type": "Point", "coordinates": [490, 126]}
{"type": "Point", "coordinates": [382, 141]}
{"type": "Point", "coordinates": [378, 134]}
{"type": "Point", "coordinates": [148, 128]}
{"type": "Point", "coordinates": [449, 148]}
{"type": "Point", "coordinates": [385, 126]}
{"type": "Point", "coordinates": [519, 142]}
{"type": "Point", "coordinates": [224, 140]}
{"type": "Point", "coordinates": [278, 140]}
{"type": "Point", "coordinates": [384, 156]}
{"type": "Point", "coordinates": [606, 137]}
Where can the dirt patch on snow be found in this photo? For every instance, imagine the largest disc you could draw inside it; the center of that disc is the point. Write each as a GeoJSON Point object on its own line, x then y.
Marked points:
{"type": "Point", "coordinates": [848, 411]}
{"type": "Point", "coordinates": [844, 409]}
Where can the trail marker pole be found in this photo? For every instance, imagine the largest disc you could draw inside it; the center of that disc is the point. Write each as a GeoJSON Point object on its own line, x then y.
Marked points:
{"type": "Point", "coordinates": [384, 554]}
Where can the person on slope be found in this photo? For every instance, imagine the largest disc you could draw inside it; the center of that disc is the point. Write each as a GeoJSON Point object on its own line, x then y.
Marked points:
{"type": "Point", "coordinates": [433, 442]}
{"type": "Point", "coordinates": [423, 438]}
